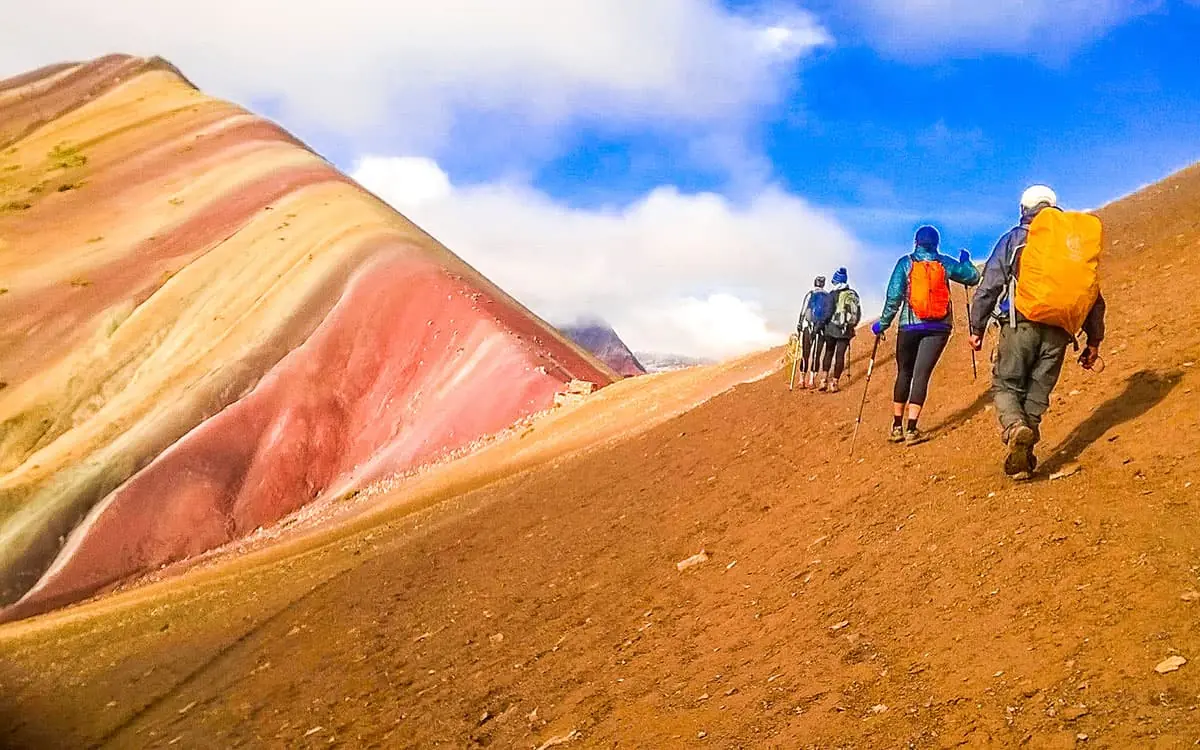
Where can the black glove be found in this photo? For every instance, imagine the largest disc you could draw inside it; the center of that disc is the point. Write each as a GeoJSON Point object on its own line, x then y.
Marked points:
{"type": "Point", "coordinates": [964, 256]}
{"type": "Point", "coordinates": [1089, 356]}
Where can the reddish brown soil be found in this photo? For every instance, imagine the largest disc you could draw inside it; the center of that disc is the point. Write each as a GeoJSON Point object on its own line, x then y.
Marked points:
{"type": "Point", "coordinates": [980, 613]}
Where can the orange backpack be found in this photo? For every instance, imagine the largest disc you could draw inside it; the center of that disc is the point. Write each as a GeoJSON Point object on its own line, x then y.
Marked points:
{"type": "Point", "coordinates": [1060, 269]}
{"type": "Point", "coordinates": [928, 290]}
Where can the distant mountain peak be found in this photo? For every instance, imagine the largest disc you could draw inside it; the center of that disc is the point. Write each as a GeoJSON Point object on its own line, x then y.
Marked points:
{"type": "Point", "coordinates": [598, 337]}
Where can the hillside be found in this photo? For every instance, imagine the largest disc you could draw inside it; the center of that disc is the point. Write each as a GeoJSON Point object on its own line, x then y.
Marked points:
{"type": "Point", "coordinates": [204, 327]}
{"type": "Point", "coordinates": [600, 339]}
{"type": "Point", "coordinates": [900, 598]}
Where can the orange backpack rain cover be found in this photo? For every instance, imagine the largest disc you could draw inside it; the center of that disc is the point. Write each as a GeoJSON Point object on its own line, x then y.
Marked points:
{"type": "Point", "coordinates": [1059, 273]}
{"type": "Point", "coordinates": [928, 291]}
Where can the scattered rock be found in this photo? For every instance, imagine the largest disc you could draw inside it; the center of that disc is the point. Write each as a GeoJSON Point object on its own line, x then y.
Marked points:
{"type": "Point", "coordinates": [1081, 737]}
{"type": "Point", "coordinates": [1069, 470]}
{"type": "Point", "coordinates": [1073, 713]}
{"type": "Point", "coordinates": [497, 638]}
{"type": "Point", "coordinates": [878, 708]}
{"type": "Point", "coordinates": [559, 740]}
{"type": "Point", "coordinates": [1170, 664]}
{"type": "Point", "coordinates": [730, 565]}
{"type": "Point", "coordinates": [692, 561]}
{"type": "Point", "coordinates": [187, 708]}
{"type": "Point", "coordinates": [313, 731]}
{"type": "Point", "coordinates": [702, 698]}
{"type": "Point", "coordinates": [1191, 596]}
{"type": "Point", "coordinates": [701, 734]}
{"type": "Point", "coordinates": [840, 625]}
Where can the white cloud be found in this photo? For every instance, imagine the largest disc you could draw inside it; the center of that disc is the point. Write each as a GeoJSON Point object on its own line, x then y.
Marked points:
{"type": "Point", "coordinates": [1043, 28]}
{"type": "Point", "coordinates": [693, 274]}
{"type": "Point", "coordinates": [418, 67]}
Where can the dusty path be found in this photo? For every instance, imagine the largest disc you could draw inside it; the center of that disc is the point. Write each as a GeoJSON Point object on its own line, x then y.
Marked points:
{"type": "Point", "coordinates": [909, 598]}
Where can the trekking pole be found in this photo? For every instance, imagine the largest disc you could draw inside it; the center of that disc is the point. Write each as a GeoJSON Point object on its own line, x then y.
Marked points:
{"type": "Point", "coordinates": [866, 387]}
{"type": "Point", "coordinates": [974, 364]}
{"type": "Point", "coordinates": [795, 361]}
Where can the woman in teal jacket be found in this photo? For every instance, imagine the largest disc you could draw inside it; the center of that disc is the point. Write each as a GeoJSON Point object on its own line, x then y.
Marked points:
{"type": "Point", "coordinates": [921, 341]}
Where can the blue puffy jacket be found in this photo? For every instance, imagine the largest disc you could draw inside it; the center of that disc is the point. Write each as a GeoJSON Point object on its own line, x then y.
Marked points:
{"type": "Point", "coordinates": [897, 293]}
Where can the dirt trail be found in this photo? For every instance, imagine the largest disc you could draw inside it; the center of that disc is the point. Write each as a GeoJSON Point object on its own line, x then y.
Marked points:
{"type": "Point", "coordinates": [909, 597]}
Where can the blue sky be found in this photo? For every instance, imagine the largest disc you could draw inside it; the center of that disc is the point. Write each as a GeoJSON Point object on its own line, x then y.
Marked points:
{"type": "Point", "coordinates": [891, 143]}
{"type": "Point", "coordinates": [683, 168]}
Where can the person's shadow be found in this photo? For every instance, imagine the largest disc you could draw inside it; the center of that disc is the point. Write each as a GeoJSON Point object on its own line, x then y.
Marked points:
{"type": "Point", "coordinates": [958, 418]}
{"type": "Point", "coordinates": [1143, 391]}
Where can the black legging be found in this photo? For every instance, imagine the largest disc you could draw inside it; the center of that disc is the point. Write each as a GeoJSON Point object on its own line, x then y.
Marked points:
{"type": "Point", "coordinates": [917, 353]}
{"type": "Point", "coordinates": [834, 350]}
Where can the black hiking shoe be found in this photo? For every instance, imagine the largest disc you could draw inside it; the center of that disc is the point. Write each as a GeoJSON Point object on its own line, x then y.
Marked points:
{"type": "Point", "coordinates": [897, 435]}
{"type": "Point", "coordinates": [1020, 462]}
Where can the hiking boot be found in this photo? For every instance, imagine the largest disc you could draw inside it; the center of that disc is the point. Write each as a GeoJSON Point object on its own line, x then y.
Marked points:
{"type": "Point", "coordinates": [824, 388]}
{"type": "Point", "coordinates": [833, 386]}
{"type": "Point", "coordinates": [897, 435]}
{"type": "Point", "coordinates": [1020, 462]}
{"type": "Point", "coordinates": [913, 436]}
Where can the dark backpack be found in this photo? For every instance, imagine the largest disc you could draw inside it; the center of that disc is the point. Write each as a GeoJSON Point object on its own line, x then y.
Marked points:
{"type": "Point", "coordinates": [847, 313]}
{"type": "Point", "coordinates": [818, 309]}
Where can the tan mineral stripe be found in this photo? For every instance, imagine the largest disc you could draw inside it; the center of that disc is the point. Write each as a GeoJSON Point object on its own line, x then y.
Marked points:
{"type": "Point", "coordinates": [198, 326]}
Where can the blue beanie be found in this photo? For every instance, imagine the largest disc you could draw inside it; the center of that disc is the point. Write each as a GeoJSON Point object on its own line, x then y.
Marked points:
{"type": "Point", "coordinates": [840, 276]}
{"type": "Point", "coordinates": [928, 237]}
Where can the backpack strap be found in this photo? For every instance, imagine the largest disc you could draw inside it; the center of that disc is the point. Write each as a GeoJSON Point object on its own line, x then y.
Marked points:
{"type": "Point", "coordinates": [1012, 275]}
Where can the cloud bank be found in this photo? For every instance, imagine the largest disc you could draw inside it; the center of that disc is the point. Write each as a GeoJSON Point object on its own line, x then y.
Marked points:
{"type": "Point", "coordinates": [694, 274]}
{"type": "Point", "coordinates": [416, 67]}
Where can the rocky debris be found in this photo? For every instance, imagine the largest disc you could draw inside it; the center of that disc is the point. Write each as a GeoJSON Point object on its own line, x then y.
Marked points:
{"type": "Point", "coordinates": [693, 561]}
{"type": "Point", "coordinates": [839, 625]}
{"type": "Point", "coordinates": [1170, 664]}
{"type": "Point", "coordinates": [1069, 470]}
{"type": "Point", "coordinates": [1191, 596]}
{"type": "Point", "coordinates": [1074, 713]}
{"type": "Point", "coordinates": [561, 739]}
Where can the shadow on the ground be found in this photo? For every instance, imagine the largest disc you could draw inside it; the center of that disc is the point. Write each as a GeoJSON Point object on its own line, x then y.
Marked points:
{"type": "Point", "coordinates": [1143, 391]}
{"type": "Point", "coordinates": [957, 419]}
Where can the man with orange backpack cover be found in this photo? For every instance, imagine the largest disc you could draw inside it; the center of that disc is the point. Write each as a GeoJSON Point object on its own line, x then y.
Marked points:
{"type": "Point", "coordinates": [919, 293]}
{"type": "Point", "coordinates": [1042, 285]}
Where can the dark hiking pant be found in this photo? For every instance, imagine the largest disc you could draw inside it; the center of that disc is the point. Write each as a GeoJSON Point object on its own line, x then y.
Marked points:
{"type": "Point", "coordinates": [835, 356]}
{"type": "Point", "coordinates": [1029, 361]}
{"type": "Point", "coordinates": [809, 343]}
{"type": "Point", "coordinates": [917, 353]}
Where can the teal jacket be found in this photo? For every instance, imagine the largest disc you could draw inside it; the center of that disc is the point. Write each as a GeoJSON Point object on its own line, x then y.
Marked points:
{"type": "Point", "coordinates": [897, 293]}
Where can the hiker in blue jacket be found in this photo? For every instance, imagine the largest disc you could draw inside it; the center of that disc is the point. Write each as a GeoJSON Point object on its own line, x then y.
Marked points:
{"type": "Point", "coordinates": [815, 313]}
{"type": "Point", "coordinates": [919, 294]}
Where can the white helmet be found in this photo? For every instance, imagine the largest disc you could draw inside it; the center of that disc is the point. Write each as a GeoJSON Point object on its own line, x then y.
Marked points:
{"type": "Point", "coordinates": [1036, 196]}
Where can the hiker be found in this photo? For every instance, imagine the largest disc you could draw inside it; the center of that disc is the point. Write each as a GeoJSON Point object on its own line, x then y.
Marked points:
{"type": "Point", "coordinates": [1057, 252]}
{"type": "Point", "coordinates": [845, 314]}
{"type": "Point", "coordinates": [813, 317]}
{"type": "Point", "coordinates": [919, 294]}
